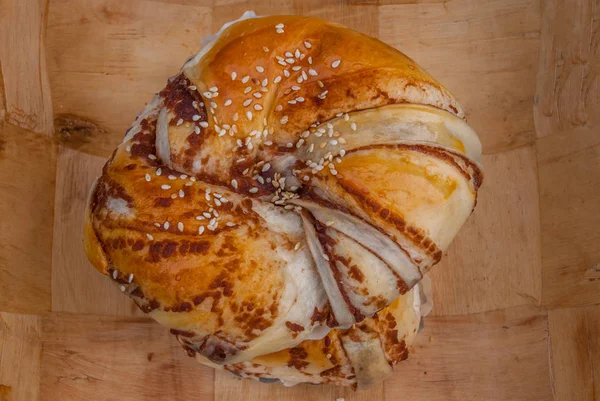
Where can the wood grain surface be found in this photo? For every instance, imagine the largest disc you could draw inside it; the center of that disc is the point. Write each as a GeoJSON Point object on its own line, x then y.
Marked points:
{"type": "Point", "coordinates": [517, 294]}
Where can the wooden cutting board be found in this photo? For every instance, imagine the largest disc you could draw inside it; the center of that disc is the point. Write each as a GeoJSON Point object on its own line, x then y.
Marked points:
{"type": "Point", "coordinates": [517, 314]}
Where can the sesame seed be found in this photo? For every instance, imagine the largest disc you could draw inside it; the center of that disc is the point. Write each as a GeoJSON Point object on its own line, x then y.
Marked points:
{"type": "Point", "coordinates": [165, 186]}
{"type": "Point", "coordinates": [304, 76]}
{"type": "Point", "coordinates": [208, 95]}
{"type": "Point", "coordinates": [128, 148]}
{"type": "Point", "coordinates": [235, 117]}
{"type": "Point", "coordinates": [290, 60]}
{"type": "Point", "coordinates": [166, 225]}
{"type": "Point", "coordinates": [148, 177]}
{"type": "Point", "coordinates": [297, 53]}
{"type": "Point", "coordinates": [299, 143]}
{"type": "Point", "coordinates": [180, 121]}
{"type": "Point", "coordinates": [292, 101]}
{"type": "Point", "coordinates": [213, 105]}
{"type": "Point", "coordinates": [296, 88]}
{"type": "Point", "coordinates": [305, 178]}
{"type": "Point", "coordinates": [277, 79]}
{"type": "Point", "coordinates": [196, 130]}
{"type": "Point", "coordinates": [333, 142]}
{"type": "Point", "coordinates": [180, 226]}
{"type": "Point", "coordinates": [245, 79]}
{"type": "Point", "coordinates": [300, 99]}
{"type": "Point", "coordinates": [307, 44]}
{"type": "Point", "coordinates": [257, 107]}
{"type": "Point", "coordinates": [115, 273]}
{"type": "Point", "coordinates": [150, 237]}
{"type": "Point", "coordinates": [230, 224]}
{"type": "Point", "coordinates": [192, 87]}
{"type": "Point", "coordinates": [288, 54]}
{"type": "Point", "coordinates": [195, 117]}
{"type": "Point", "coordinates": [212, 111]}
{"type": "Point", "coordinates": [279, 26]}
{"type": "Point", "coordinates": [281, 62]}
{"type": "Point", "coordinates": [279, 31]}
{"type": "Point", "coordinates": [249, 115]}
{"type": "Point", "coordinates": [269, 143]}
{"type": "Point", "coordinates": [171, 177]}
{"type": "Point", "coordinates": [266, 49]}
{"type": "Point", "coordinates": [346, 117]}
{"type": "Point", "coordinates": [266, 167]}
{"type": "Point", "coordinates": [323, 94]}
{"type": "Point", "coordinates": [300, 79]}
{"type": "Point", "coordinates": [151, 157]}
{"type": "Point", "coordinates": [260, 68]}
{"type": "Point", "coordinates": [312, 147]}
{"type": "Point", "coordinates": [248, 89]}
{"type": "Point", "coordinates": [289, 145]}
{"type": "Point", "coordinates": [310, 60]}
{"type": "Point", "coordinates": [342, 152]}
{"type": "Point", "coordinates": [336, 64]}
{"type": "Point", "coordinates": [286, 73]}
{"type": "Point", "coordinates": [353, 126]}
{"type": "Point", "coordinates": [257, 95]}
{"type": "Point", "coordinates": [213, 89]}
{"type": "Point", "coordinates": [265, 82]}
{"type": "Point", "coordinates": [233, 76]}
{"type": "Point", "coordinates": [122, 288]}
{"type": "Point", "coordinates": [284, 120]}
{"type": "Point", "coordinates": [333, 172]}
{"type": "Point", "coordinates": [247, 102]}
{"type": "Point", "coordinates": [312, 72]}
{"type": "Point", "coordinates": [200, 230]}
{"type": "Point", "coordinates": [296, 68]}
{"type": "Point", "coordinates": [158, 171]}
{"type": "Point", "coordinates": [325, 257]}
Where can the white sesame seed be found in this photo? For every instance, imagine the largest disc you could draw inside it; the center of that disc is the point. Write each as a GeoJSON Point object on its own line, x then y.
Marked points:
{"type": "Point", "coordinates": [323, 94]}
{"type": "Point", "coordinates": [128, 148]}
{"type": "Point", "coordinates": [305, 178]}
{"type": "Point", "coordinates": [266, 167]}
{"type": "Point", "coordinates": [296, 68]}
{"type": "Point", "coordinates": [245, 79]}
{"type": "Point", "coordinates": [304, 76]}
{"type": "Point", "coordinates": [299, 99]}
{"type": "Point", "coordinates": [171, 177]}
{"type": "Point", "coordinates": [212, 111]}
{"type": "Point", "coordinates": [309, 60]}
{"type": "Point", "coordinates": [158, 171]}
{"type": "Point", "coordinates": [296, 88]}
{"type": "Point", "coordinates": [233, 76]}
{"type": "Point", "coordinates": [293, 101]}
{"type": "Point", "coordinates": [266, 49]}
{"type": "Point", "coordinates": [213, 105]}
{"type": "Point", "coordinates": [115, 273]}
{"type": "Point", "coordinates": [336, 63]}
{"type": "Point", "coordinates": [284, 120]}
{"type": "Point", "coordinates": [200, 230]}
{"type": "Point", "coordinates": [269, 143]}
{"type": "Point", "coordinates": [166, 225]}
{"type": "Point", "coordinates": [353, 126]}
{"type": "Point", "coordinates": [289, 145]}
{"type": "Point", "coordinates": [235, 117]}
{"type": "Point", "coordinates": [247, 102]}
{"type": "Point", "coordinates": [213, 89]}
{"type": "Point", "coordinates": [333, 142]}
{"type": "Point", "coordinates": [307, 44]}
{"type": "Point", "coordinates": [279, 26]}
{"type": "Point", "coordinates": [122, 288]}
{"type": "Point", "coordinates": [192, 87]}
{"type": "Point", "coordinates": [180, 121]}
{"type": "Point", "coordinates": [253, 190]}
{"type": "Point", "coordinates": [257, 95]}
{"type": "Point", "coordinates": [257, 107]}
{"type": "Point", "coordinates": [346, 117]}
{"type": "Point", "coordinates": [325, 257]}
{"type": "Point", "coordinates": [230, 224]}
{"type": "Point", "coordinates": [312, 72]}
{"type": "Point", "coordinates": [195, 117]}
{"type": "Point", "coordinates": [248, 89]}
{"type": "Point", "coordinates": [150, 237]}
{"type": "Point", "coordinates": [342, 152]}
{"type": "Point", "coordinates": [299, 143]}
{"type": "Point", "coordinates": [282, 62]}
{"type": "Point", "coordinates": [290, 60]}
{"type": "Point", "coordinates": [249, 115]}
{"type": "Point", "coordinates": [278, 107]}
{"type": "Point", "coordinates": [208, 95]}
{"type": "Point", "coordinates": [165, 186]}
{"type": "Point", "coordinates": [312, 147]}
{"type": "Point", "coordinates": [196, 130]}
{"type": "Point", "coordinates": [279, 31]}
{"type": "Point", "coordinates": [151, 157]}
{"type": "Point", "coordinates": [260, 68]}
{"type": "Point", "coordinates": [234, 184]}
{"type": "Point", "coordinates": [148, 177]}
{"type": "Point", "coordinates": [180, 226]}
{"type": "Point", "coordinates": [300, 79]}
{"type": "Point", "coordinates": [286, 73]}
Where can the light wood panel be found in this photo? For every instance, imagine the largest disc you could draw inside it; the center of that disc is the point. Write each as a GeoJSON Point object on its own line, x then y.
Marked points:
{"type": "Point", "coordinates": [27, 168]}
{"type": "Point", "coordinates": [569, 173]}
{"type": "Point", "coordinates": [23, 64]}
{"type": "Point", "coordinates": [20, 357]}
{"type": "Point", "coordinates": [484, 52]}
{"type": "Point", "coordinates": [568, 84]}
{"type": "Point", "coordinates": [88, 357]}
{"type": "Point", "coordinates": [575, 352]}
{"type": "Point", "coordinates": [100, 48]}
{"type": "Point", "coordinates": [499, 355]}
{"type": "Point", "coordinates": [76, 285]}
{"type": "Point", "coordinates": [494, 262]}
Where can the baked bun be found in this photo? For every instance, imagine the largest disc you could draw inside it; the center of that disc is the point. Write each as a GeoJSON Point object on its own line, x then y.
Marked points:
{"type": "Point", "coordinates": [289, 187]}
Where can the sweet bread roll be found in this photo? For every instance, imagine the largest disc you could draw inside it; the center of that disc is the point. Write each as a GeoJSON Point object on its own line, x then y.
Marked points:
{"type": "Point", "coordinates": [278, 202]}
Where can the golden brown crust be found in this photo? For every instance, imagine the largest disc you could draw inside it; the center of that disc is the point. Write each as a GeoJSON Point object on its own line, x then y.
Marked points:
{"type": "Point", "coordinates": [197, 213]}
